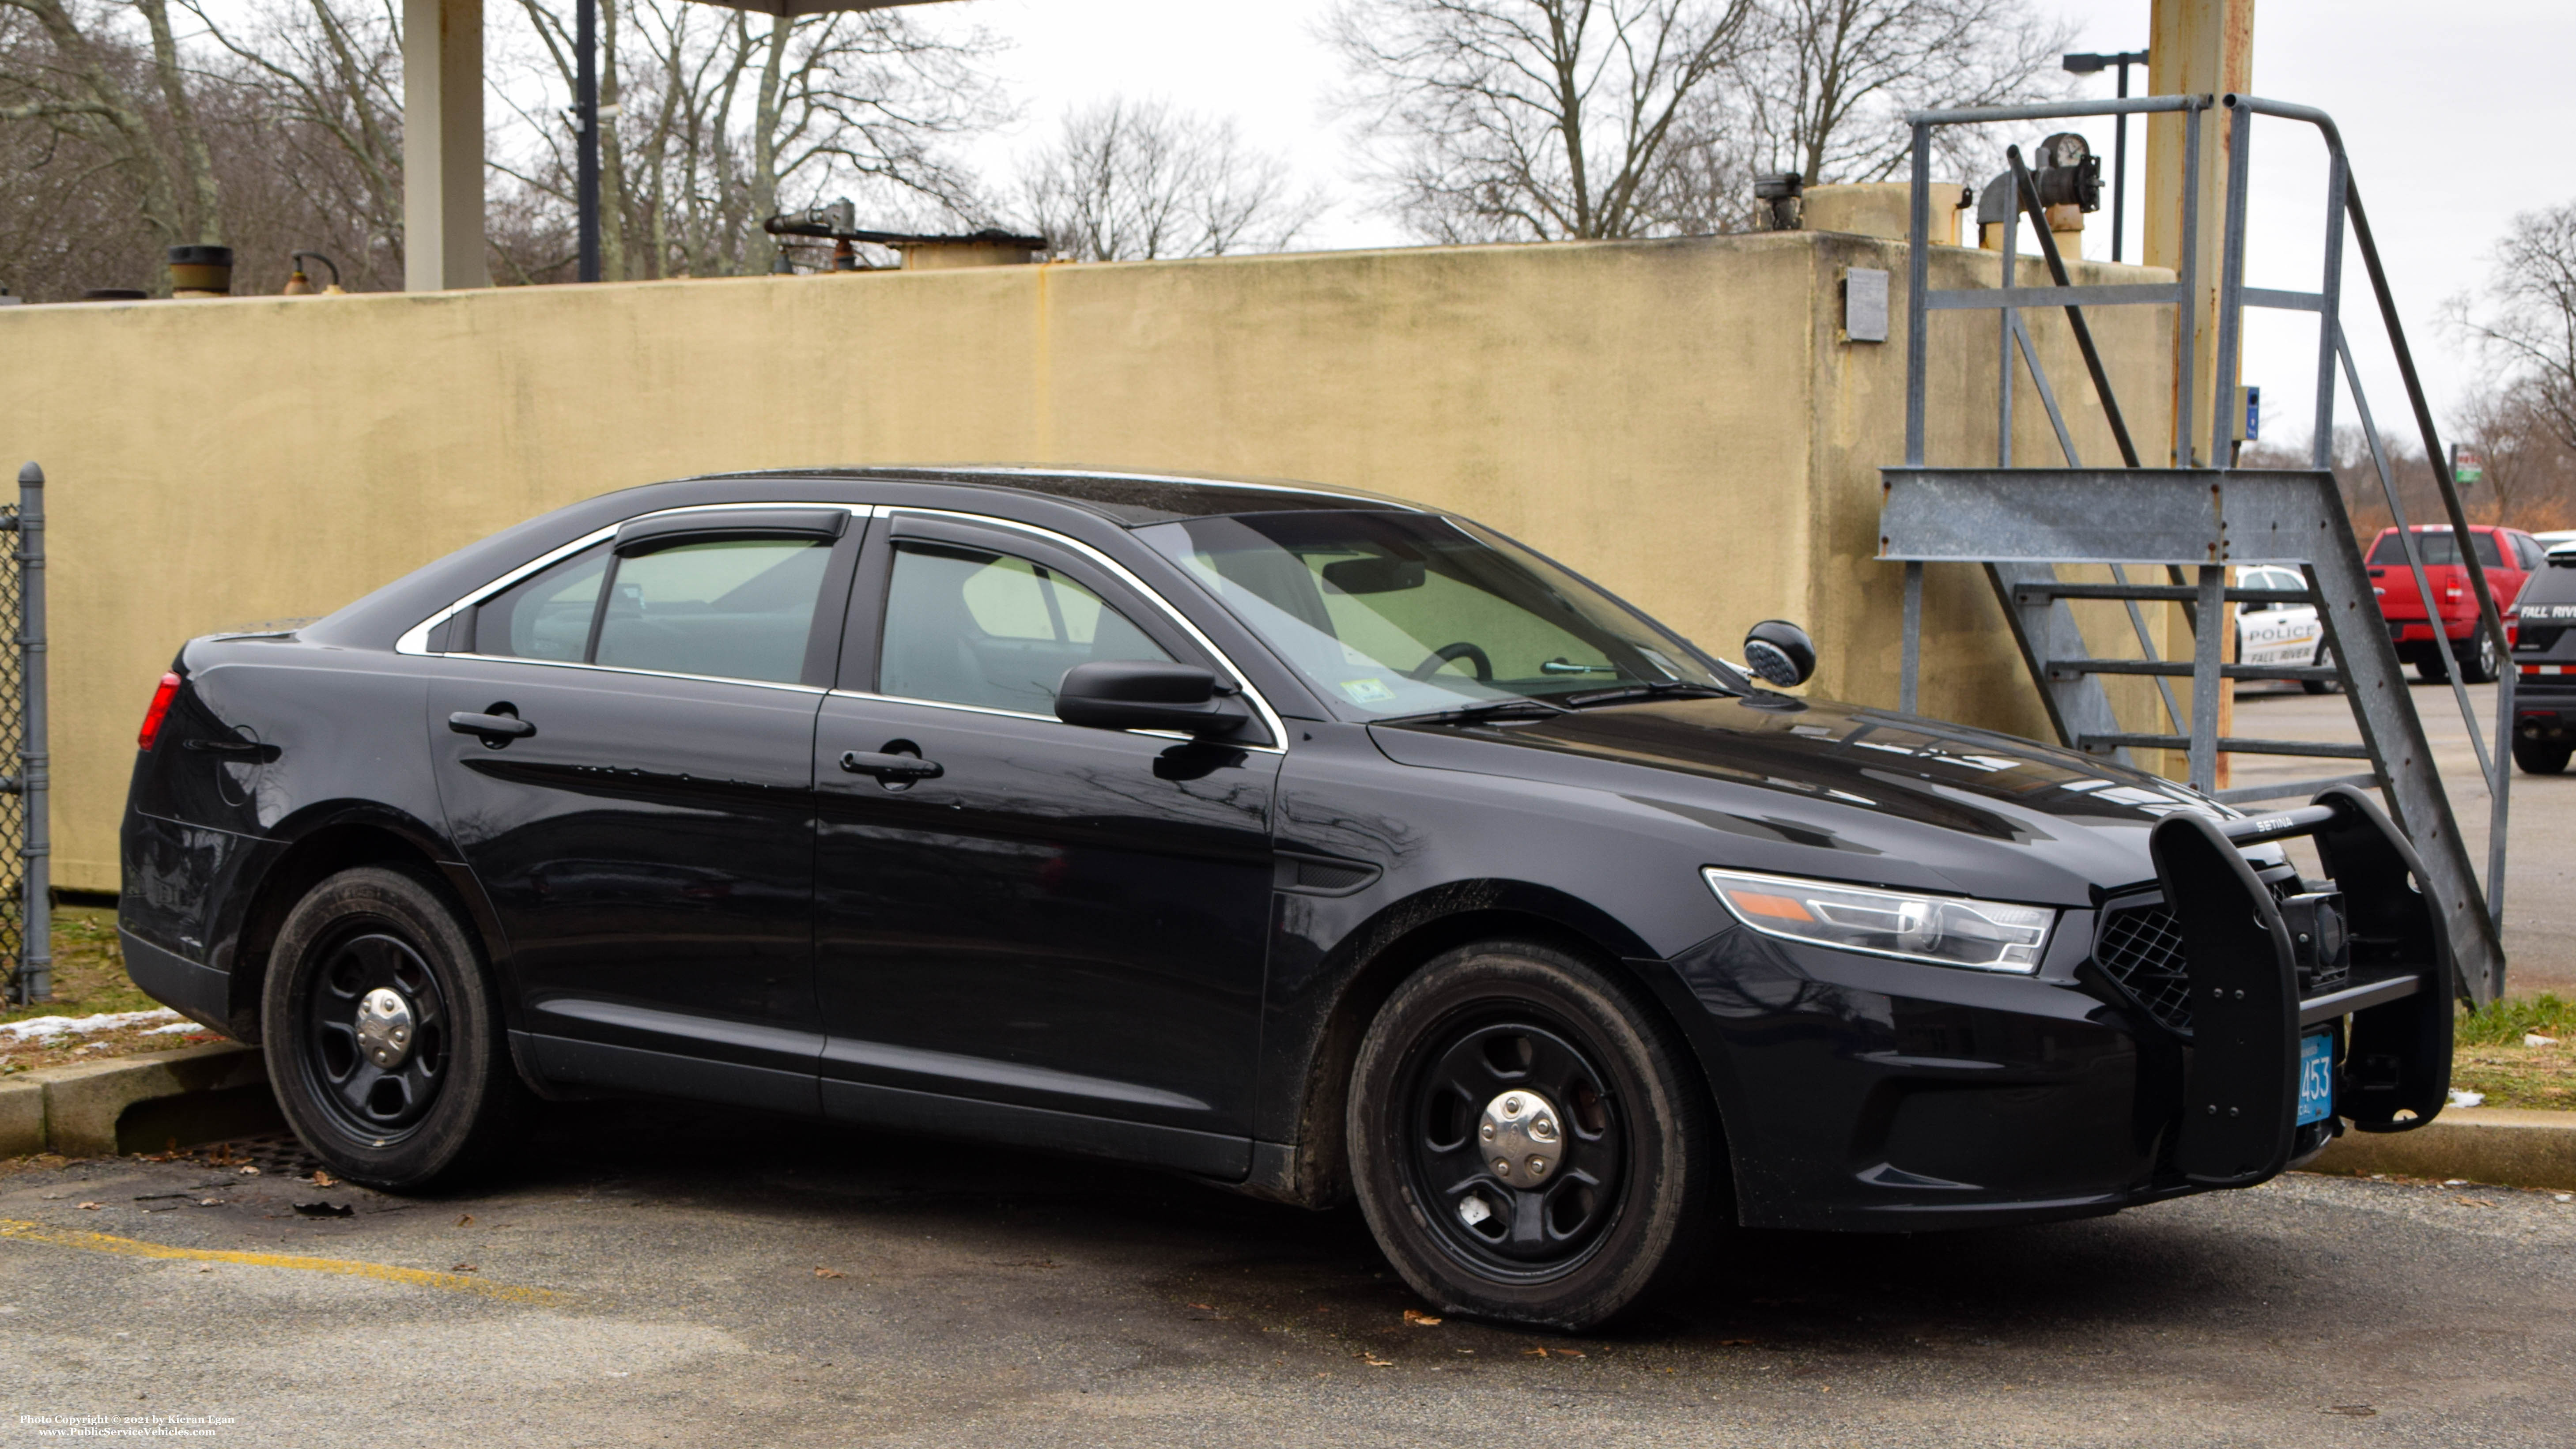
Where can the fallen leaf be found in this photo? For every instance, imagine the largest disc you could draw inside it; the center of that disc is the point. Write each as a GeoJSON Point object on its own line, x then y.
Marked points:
{"type": "Point", "coordinates": [93, 1207]}
{"type": "Point", "coordinates": [2353, 1411]}
{"type": "Point", "coordinates": [1373, 1361]}
{"type": "Point", "coordinates": [467, 1218]}
{"type": "Point", "coordinates": [210, 1202]}
{"type": "Point", "coordinates": [2474, 1202]}
{"type": "Point", "coordinates": [324, 1179]}
{"type": "Point", "coordinates": [1569, 1353]}
{"type": "Point", "coordinates": [1540, 1352]}
{"type": "Point", "coordinates": [1735, 1343]}
{"type": "Point", "coordinates": [1420, 1319]}
{"type": "Point", "coordinates": [1204, 1307]}
{"type": "Point", "coordinates": [249, 1172]}
{"type": "Point", "coordinates": [829, 1273]}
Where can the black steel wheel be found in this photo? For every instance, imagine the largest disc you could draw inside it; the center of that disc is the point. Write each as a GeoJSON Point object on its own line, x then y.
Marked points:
{"type": "Point", "coordinates": [383, 1037]}
{"type": "Point", "coordinates": [1530, 1141]}
{"type": "Point", "coordinates": [375, 1029]}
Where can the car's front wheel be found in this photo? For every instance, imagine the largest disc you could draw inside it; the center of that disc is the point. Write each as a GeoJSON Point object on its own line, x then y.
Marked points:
{"type": "Point", "coordinates": [1530, 1140]}
{"type": "Point", "coordinates": [384, 1038]}
{"type": "Point", "coordinates": [2324, 660]}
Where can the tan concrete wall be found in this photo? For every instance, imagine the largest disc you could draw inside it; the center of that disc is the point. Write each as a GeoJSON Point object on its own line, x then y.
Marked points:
{"type": "Point", "coordinates": [1678, 419]}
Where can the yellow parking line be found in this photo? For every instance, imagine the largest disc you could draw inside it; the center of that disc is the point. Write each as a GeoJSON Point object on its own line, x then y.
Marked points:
{"type": "Point", "coordinates": [136, 1248]}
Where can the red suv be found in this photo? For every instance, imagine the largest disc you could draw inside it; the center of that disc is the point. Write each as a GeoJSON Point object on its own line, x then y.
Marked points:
{"type": "Point", "coordinates": [2509, 555]}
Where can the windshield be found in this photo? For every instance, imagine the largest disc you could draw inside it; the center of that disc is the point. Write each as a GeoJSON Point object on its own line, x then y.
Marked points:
{"type": "Point", "coordinates": [2437, 547]}
{"type": "Point", "coordinates": [1391, 614]}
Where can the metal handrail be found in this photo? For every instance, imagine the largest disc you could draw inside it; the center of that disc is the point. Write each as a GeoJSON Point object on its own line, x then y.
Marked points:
{"type": "Point", "coordinates": [2334, 354]}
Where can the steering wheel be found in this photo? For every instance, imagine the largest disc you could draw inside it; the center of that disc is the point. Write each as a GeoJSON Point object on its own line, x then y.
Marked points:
{"type": "Point", "coordinates": [1450, 653]}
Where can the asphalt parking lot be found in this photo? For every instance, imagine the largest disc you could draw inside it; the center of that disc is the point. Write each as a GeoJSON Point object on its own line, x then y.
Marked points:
{"type": "Point", "coordinates": [662, 1275]}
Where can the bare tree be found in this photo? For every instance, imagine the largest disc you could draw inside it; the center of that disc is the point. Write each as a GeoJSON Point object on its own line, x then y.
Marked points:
{"type": "Point", "coordinates": [327, 79]}
{"type": "Point", "coordinates": [2527, 326]}
{"type": "Point", "coordinates": [129, 99]}
{"type": "Point", "coordinates": [2530, 469]}
{"type": "Point", "coordinates": [1134, 180]}
{"type": "Point", "coordinates": [1539, 119]}
{"type": "Point", "coordinates": [1828, 95]}
{"type": "Point", "coordinates": [713, 117]}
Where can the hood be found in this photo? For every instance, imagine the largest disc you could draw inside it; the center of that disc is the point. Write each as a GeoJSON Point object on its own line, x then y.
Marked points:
{"type": "Point", "coordinates": [1821, 788]}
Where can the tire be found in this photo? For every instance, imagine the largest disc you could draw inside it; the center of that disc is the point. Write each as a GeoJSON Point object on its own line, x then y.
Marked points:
{"type": "Point", "coordinates": [2324, 660]}
{"type": "Point", "coordinates": [1626, 1213]}
{"type": "Point", "coordinates": [2538, 757]}
{"type": "Point", "coordinates": [2478, 661]}
{"type": "Point", "coordinates": [450, 1102]}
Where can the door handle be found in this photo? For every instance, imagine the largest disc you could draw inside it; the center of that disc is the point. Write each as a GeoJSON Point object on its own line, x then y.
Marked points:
{"type": "Point", "coordinates": [891, 769]}
{"type": "Point", "coordinates": [496, 730]}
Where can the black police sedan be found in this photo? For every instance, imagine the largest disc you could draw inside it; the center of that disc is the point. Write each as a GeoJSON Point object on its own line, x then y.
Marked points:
{"type": "Point", "coordinates": [1306, 841]}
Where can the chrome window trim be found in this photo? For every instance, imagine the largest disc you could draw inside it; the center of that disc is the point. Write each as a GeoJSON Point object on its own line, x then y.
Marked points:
{"type": "Point", "coordinates": [415, 640]}
{"type": "Point", "coordinates": [622, 671]}
{"type": "Point", "coordinates": [1261, 706]}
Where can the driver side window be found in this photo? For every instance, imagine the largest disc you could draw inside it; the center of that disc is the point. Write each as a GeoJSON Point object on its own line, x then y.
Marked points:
{"type": "Point", "coordinates": [967, 626]}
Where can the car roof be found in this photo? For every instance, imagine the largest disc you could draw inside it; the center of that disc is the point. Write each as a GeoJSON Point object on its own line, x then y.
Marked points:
{"type": "Point", "coordinates": [1130, 499]}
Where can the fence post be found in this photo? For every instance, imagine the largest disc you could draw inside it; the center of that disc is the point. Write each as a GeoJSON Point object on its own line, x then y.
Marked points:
{"type": "Point", "coordinates": [36, 918]}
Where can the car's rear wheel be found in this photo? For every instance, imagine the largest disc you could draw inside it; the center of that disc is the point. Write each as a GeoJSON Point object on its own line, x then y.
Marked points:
{"type": "Point", "coordinates": [384, 1038]}
{"type": "Point", "coordinates": [2539, 757]}
{"type": "Point", "coordinates": [1530, 1140]}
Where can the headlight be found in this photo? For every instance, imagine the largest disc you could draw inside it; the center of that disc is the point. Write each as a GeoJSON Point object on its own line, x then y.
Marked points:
{"type": "Point", "coordinates": [1944, 930]}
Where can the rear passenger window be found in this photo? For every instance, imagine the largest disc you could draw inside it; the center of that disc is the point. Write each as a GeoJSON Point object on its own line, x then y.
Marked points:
{"type": "Point", "coordinates": [740, 608]}
{"type": "Point", "coordinates": [545, 616]}
{"type": "Point", "coordinates": [735, 608]}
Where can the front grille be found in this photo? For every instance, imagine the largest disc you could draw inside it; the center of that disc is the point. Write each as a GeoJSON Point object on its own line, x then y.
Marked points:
{"type": "Point", "coordinates": [2141, 946]}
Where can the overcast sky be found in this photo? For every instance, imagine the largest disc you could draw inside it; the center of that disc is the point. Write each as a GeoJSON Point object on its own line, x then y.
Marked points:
{"type": "Point", "coordinates": [2456, 117]}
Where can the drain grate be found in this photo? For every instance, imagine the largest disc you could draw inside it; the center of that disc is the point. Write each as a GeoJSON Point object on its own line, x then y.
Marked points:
{"type": "Point", "coordinates": [275, 1154]}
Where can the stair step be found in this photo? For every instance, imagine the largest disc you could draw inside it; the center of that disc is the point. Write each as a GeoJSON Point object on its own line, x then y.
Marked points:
{"type": "Point", "coordinates": [2170, 593]}
{"type": "Point", "coordinates": [2104, 744]}
{"type": "Point", "coordinates": [2181, 669]}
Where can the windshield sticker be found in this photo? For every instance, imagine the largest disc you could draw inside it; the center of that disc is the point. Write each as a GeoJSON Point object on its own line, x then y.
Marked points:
{"type": "Point", "coordinates": [1367, 691]}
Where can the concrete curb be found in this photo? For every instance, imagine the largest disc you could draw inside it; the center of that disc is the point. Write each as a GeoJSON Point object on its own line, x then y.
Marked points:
{"type": "Point", "coordinates": [2500, 1145]}
{"type": "Point", "coordinates": [74, 1110]}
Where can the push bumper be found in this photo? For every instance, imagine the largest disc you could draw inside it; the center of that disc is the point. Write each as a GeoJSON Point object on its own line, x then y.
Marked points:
{"type": "Point", "coordinates": [2391, 1069]}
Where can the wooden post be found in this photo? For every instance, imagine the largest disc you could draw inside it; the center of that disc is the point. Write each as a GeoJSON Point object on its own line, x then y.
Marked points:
{"type": "Point", "coordinates": [2197, 47]}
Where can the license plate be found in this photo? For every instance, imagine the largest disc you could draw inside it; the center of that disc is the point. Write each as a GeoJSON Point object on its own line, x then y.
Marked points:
{"type": "Point", "coordinates": [2316, 1078]}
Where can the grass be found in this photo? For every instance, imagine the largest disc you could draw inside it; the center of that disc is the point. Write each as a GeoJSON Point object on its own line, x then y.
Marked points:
{"type": "Point", "coordinates": [2488, 1054]}
{"type": "Point", "coordinates": [89, 978]}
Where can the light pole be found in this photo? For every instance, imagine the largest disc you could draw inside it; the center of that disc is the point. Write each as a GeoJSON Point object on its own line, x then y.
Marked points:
{"type": "Point", "coordinates": [2087, 65]}
{"type": "Point", "coordinates": [586, 117]}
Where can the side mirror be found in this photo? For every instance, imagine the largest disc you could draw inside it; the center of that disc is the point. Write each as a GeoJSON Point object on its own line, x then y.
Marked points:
{"type": "Point", "coordinates": [1142, 695]}
{"type": "Point", "coordinates": [1780, 652]}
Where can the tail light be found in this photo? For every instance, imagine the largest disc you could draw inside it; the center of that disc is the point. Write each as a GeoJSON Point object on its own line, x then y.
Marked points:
{"type": "Point", "coordinates": [157, 711]}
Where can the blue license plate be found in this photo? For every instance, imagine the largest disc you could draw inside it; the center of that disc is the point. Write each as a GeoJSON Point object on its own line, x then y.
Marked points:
{"type": "Point", "coordinates": [2316, 1078]}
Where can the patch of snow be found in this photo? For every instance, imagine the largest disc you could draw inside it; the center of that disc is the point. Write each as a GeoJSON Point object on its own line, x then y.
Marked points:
{"type": "Point", "coordinates": [173, 1028]}
{"type": "Point", "coordinates": [40, 1028]}
{"type": "Point", "coordinates": [2461, 1097]}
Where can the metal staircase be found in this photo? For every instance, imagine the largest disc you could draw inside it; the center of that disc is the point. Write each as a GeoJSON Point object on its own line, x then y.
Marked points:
{"type": "Point", "coordinates": [2192, 522]}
